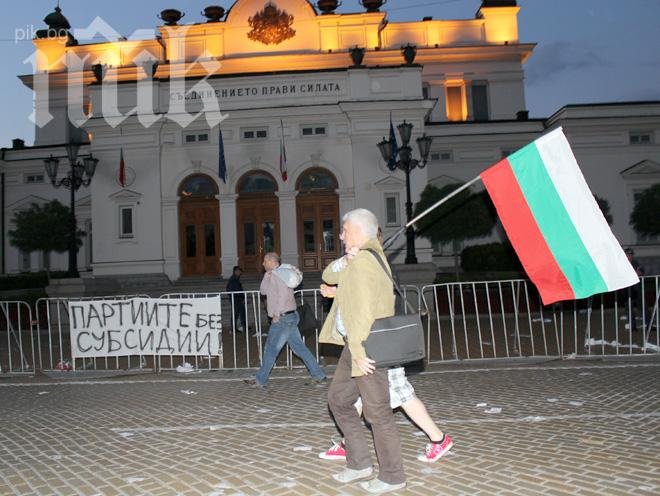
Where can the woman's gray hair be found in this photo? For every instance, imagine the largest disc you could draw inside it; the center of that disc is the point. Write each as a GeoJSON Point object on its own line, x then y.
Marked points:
{"type": "Point", "coordinates": [364, 218]}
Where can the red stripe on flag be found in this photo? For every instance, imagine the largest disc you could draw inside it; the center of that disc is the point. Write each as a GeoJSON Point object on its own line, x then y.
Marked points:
{"type": "Point", "coordinates": [524, 234]}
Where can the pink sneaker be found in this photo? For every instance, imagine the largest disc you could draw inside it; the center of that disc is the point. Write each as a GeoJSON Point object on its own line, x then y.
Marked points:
{"type": "Point", "coordinates": [335, 452]}
{"type": "Point", "coordinates": [434, 451]}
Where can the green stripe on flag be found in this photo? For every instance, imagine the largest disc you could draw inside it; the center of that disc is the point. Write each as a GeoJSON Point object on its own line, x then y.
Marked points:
{"type": "Point", "coordinates": [555, 224]}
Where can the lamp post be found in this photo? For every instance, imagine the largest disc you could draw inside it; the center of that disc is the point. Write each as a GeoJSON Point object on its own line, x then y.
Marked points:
{"type": "Point", "coordinates": [74, 179]}
{"type": "Point", "coordinates": [406, 163]}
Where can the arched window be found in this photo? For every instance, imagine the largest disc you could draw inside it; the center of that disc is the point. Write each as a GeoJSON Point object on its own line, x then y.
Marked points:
{"type": "Point", "coordinates": [198, 186]}
{"type": "Point", "coordinates": [257, 182]}
{"type": "Point", "coordinates": [317, 179]}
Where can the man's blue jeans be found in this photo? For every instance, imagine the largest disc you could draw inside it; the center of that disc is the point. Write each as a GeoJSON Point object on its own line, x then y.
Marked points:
{"type": "Point", "coordinates": [286, 332]}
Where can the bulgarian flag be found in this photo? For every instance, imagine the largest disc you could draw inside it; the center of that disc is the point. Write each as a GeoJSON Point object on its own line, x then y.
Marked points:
{"type": "Point", "coordinates": [122, 168]}
{"type": "Point", "coordinates": [554, 223]}
{"type": "Point", "coordinates": [282, 154]}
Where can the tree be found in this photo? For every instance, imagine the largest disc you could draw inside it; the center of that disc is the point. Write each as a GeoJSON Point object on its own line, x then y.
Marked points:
{"type": "Point", "coordinates": [43, 228]}
{"type": "Point", "coordinates": [466, 216]}
{"type": "Point", "coordinates": [644, 218]}
{"type": "Point", "coordinates": [604, 206]}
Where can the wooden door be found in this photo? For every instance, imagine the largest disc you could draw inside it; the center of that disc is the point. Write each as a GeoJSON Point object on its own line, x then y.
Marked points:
{"type": "Point", "coordinates": [258, 231]}
{"type": "Point", "coordinates": [199, 236]}
{"type": "Point", "coordinates": [318, 230]}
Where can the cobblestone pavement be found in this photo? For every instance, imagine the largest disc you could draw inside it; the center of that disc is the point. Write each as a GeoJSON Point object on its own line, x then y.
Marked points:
{"type": "Point", "coordinates": [574, 428]}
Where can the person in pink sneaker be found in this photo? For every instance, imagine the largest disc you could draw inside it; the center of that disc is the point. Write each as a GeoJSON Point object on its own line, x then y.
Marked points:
{"type": "Point", "coordinates": [402, 394]}
{"type": "Point", "coordinates": [364, 293]}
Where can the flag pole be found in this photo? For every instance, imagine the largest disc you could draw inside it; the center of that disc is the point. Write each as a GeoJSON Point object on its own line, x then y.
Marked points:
{"type": "Point", "coordinates": [388, 242]}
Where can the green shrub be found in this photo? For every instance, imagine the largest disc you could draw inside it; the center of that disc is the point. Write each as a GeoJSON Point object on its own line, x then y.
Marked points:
{"type": "Point", "coordinates": [29, 296]}
{"type": "Point", "coordinates": [490, 257]}
{"type": "Point", "coordinates": [29, 280]}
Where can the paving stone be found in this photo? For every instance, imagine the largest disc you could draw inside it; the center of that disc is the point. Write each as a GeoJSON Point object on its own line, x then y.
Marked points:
{"type": "Point", "coordinates": [143, 436]}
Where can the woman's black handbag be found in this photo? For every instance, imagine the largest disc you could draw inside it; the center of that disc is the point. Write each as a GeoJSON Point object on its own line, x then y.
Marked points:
{"type": "Point", "coordinates": [308, 323]}
{"type": "Point", "coordinates": [395, 340]}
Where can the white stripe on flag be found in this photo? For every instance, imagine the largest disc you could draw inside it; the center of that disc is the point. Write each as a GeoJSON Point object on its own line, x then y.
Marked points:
{"type": "Point", "coordinates": [604, 248]}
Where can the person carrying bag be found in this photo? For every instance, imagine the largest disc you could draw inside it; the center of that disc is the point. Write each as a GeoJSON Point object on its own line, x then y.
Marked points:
{"type": "Point", "coordinates": [395, 340]}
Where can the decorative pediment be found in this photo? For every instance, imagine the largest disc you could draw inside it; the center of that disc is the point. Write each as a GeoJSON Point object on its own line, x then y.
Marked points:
{"type": "Point", "coordinates": [25, 203]}
{"type": "Point", "coordinates": [390, 182]}
{"type": "Point", "coordinates": [84, 202]}
{"type": "Point", "coordinates": [641, 170]}
{"type": "Point", "coordinates": [242, 10]}
{"type": "Point", "coordinates": [442, 181]}
{"type": "Point", "coordinates": [125, 195]}
{"type": "Point", "coordinates": [271, 26]}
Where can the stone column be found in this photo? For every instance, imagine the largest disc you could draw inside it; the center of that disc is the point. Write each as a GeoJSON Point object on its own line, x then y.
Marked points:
{"type": "Point", "coordinates": [228, 233]}
{"type": "Point", "coordinates": [346, 201]}
{"type": "Point", "coordinates": [170, 213]}
{"type": "Point", "coordinates": [288, 227]}
{"type": "Point", "coordinates": [437, 94]}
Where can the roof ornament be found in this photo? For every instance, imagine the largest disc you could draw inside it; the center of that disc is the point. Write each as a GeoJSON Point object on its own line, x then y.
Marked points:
{"type": "Point", "coordinates": [271, 25]}
{"type": "Point", "coordinates": [56, 20]}
{"type": "Point", "coordinates": [373, 5]}
{"type": "Point", "coordinates": [170, 16]}
{"type": "Point", "coordinates": [498, 3]}
{"type": "Point", "coordinates": [58, 26]}
{"type": "Point", "coordinates": [327, 6]}
{"type": "Point", "coordinates": [214, 13]}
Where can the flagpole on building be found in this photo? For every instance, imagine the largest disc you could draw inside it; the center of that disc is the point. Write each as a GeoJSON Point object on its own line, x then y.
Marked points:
{"type": "Point", "coordinates": [388, 242]}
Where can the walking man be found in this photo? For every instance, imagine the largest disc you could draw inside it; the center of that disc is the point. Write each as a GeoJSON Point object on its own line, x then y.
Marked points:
{"type": "Point", "coordinates": [281, 307]}
{"type": "Point", "coordinates": [364, 294]}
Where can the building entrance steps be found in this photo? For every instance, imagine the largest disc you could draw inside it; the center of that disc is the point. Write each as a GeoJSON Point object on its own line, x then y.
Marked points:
{"type": "Point", "coordinates": [155, 285]}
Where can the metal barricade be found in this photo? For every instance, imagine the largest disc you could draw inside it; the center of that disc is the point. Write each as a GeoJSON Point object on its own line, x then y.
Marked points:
{"type": "Point", "coordinates": [53, 339]}
{"type": "Point", "coordinates": [486, 319]}
{"type": "Point", "coordinates": [506, 319]}
{"type": "Point", "coordinates": [464, 321]}
{"type": "Point", "coordinates": [625, 322]}
{"type": "Point", "coordinates": [413, 296]}
{"type": "Point", "coordinates": [245, 327]}
{"type": "Point", "coordinates": [242, 323]}
{"type": "Point", "coordinates": [17, 350]}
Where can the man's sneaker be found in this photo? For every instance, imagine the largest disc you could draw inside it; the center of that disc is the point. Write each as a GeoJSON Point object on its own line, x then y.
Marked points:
{"type": "Point", "coordinates": [254, 383]}
{"type": "Point", "coordinates": [434, 451]}
{"type": "Point", "coordinates": [351, 475]}
{"type": "Point", "coordinates": [336, 452]}
{"type": "Point", "coordinates": [377, 486]}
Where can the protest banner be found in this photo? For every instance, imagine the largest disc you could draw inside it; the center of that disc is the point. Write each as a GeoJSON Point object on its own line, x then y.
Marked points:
{"type": "Point", "coordinates": [145, 326]}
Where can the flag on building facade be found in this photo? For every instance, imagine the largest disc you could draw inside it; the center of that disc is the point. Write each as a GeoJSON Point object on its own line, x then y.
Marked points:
{"type": "Point", "coordinates": [395, 147]}
{"type": "Point", "coordinates": [282, 154]}
{"type": "Point", "coordinates": [122, 168]}
{"type": "Point", "coordinates": [222, 165]}
{"type": "Point", "coordinates": [554, 223]}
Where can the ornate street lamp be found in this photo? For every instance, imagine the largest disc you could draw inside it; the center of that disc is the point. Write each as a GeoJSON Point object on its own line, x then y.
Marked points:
{"type": "Point", "coordinates": [406, 163]}
{"type": "Point", "coordinates": [74, 179]}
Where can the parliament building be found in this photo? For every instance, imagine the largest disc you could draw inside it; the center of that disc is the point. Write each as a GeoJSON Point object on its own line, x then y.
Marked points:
{"type": "Point", "coordinates": [256, 129]}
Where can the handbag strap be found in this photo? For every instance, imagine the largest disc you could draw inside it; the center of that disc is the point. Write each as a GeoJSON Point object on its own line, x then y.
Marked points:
{"type": "Point", "coordinates": [382, 264]}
